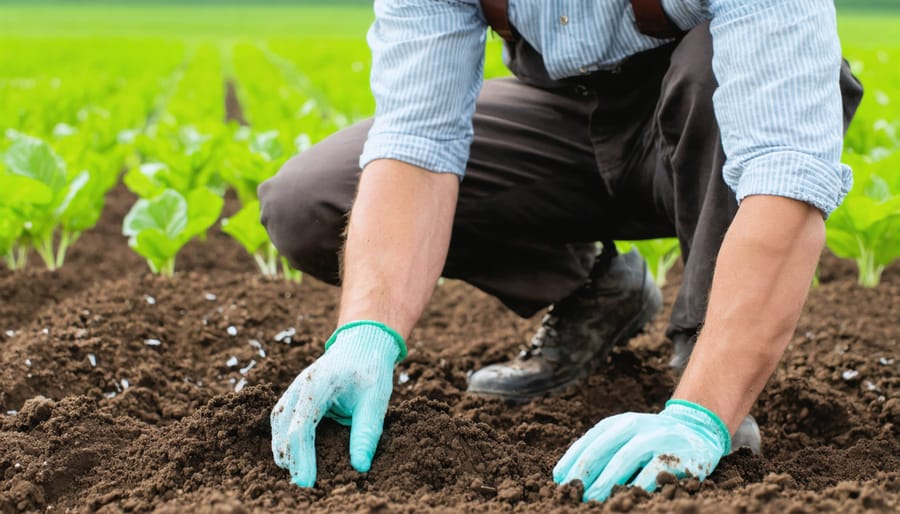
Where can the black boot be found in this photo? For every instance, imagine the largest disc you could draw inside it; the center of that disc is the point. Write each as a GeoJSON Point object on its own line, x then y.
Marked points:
{"type": "Point", "coordinates": [578, 332]}
{"type": "Point", "coordinates": [747, 435]}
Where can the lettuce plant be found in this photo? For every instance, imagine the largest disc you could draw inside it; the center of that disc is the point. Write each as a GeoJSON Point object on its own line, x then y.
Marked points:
{"type": "Point", "coordinates": [11, 228]}
{"type": "Point", "coordinates": [252, 158]}
{"type": "Point", "coordinates": [178, 158]}
{"type": "Point", "coordinates": [866, 228]}
{"type": "Point", "coordinates": [660, 254]}
{"type": "Point", "coordinates": [158, 228]}
{"type": "Point", "coordinates": [53, 207]}
{"type": "Point", "coordinates": [245, 227]}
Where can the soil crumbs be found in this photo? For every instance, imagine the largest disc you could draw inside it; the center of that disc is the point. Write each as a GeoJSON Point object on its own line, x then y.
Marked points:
{"type": "Point", "coordinates": [123, 392]}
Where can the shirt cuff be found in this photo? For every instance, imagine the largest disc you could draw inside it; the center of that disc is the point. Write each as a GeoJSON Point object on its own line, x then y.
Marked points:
{"type": "Point", "coordinates": [792, 175]}
{"type": "Point", "coordinates": [436, 156]}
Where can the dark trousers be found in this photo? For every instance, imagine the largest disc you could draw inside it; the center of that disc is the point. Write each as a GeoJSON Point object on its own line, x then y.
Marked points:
{"type": "Point", "coordinates": [555, 166]}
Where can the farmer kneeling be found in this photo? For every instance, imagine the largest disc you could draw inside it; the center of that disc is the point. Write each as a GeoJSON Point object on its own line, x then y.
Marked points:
{"type": "Point", "coordinates": [609, 130]}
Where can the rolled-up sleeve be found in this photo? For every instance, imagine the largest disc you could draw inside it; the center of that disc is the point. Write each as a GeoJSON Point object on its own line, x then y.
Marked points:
{"type": "Point", "coordinates": [778, 104]}
{"type": "Point", "coordinates": [427, 70]}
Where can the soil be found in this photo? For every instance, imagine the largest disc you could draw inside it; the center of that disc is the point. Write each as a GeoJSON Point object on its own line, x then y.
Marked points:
{"type": "Point", "coordinates": [124, 392]}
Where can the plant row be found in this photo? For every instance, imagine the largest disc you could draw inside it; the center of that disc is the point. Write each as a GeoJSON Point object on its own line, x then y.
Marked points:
{"type": "Point", "coordinates": [164, 130]}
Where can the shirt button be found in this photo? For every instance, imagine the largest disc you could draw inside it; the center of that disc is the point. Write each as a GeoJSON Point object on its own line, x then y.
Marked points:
{"type": "Point", "coordinates": [563, 20]}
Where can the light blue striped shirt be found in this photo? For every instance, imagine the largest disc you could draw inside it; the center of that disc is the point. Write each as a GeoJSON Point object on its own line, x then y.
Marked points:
{"type": "Point", "coordinates": [777, 63]}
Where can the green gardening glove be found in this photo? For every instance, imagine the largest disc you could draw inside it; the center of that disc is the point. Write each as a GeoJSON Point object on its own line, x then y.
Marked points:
{"type": "Point", "coordinates": [685, 439]}
{"type": "Point", "coordinates": [351, 383]}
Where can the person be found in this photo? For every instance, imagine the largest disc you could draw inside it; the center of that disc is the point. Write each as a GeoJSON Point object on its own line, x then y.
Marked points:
{"type": "Point", "coordinates": [719, 122]}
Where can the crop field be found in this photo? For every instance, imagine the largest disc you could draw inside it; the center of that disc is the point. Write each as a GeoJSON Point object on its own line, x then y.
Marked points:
{"type": "Point", "coordinates": [148, 326]}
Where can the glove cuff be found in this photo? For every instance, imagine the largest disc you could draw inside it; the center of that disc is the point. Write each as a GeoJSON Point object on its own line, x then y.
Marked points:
{"type": "Point", "coordinates": [375, 328]}
{"type": "Point", "coordinates": [685, 410]}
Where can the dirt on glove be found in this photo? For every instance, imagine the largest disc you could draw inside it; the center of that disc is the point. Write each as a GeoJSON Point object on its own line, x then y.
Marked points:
{"type": "Point", "coordinates": [124, 392]}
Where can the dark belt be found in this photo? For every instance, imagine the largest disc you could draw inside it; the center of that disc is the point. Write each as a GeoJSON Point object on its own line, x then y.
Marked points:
{"type": "Point", "coordinates": [650, 16]}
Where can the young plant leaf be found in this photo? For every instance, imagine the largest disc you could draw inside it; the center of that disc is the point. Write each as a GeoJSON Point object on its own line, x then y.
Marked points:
{"type": "Point", "coordinates": [167, 212]}
{"type": "Point", "coordinates": [245, 227]}
{"type": "Point", "coordinates": [158, 228]}
{"type": "Point", "coordinates": [30, 157]}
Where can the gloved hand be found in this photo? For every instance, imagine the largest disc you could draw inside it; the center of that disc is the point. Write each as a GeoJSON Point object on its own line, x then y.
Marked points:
{"type": "Point", "coordinates": [351, 383]}
{"type": "Point", "coordinates": [684, 439]}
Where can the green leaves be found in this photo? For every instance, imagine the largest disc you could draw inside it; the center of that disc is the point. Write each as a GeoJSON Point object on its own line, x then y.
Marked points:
{"type": "Point", "coordinates": [250, 160]}
{"type": "Point", "coordinates": [32, 158]}
{"type": "Point", "coordinates": [52, 206]}
{"type": "Point", "coordinates": [246, 228]}
{"type": "Point", "coordinates": [866, 228]}
{"type": "Point", "coordinates": [11, 227]}
{"type": "Point", "coordinates": [660, 254]}
{"type": "Point", "coordinates": [178, 158]}
{"type": "Point", "coordinates": [167, 213]}
{"type": "Point", "coordinates": [158, 228]}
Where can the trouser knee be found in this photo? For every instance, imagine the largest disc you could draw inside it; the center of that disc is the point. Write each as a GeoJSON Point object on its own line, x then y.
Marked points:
{"type": "Point", "coordinates": [303, 223]}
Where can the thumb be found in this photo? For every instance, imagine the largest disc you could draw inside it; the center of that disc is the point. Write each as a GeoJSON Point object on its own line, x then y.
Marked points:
{"type": "Point", "coordinates": [366, 428]}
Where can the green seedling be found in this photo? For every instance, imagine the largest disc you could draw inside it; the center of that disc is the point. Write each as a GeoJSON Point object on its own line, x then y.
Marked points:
{"type": "Point", "coordinates": [866, 228]}
{"type": "Point", "coordinates": [245, 227]}
{"type": "Point", "coordinates": [158, 228]}
{"type": "Point", "coordinates": [53, 207]}
{"type": "Point", "coordinates": [660, 254]}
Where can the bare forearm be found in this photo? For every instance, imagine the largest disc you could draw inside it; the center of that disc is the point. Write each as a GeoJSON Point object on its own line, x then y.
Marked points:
{"type": "Point", "coordinates": [397, 242]}
{"type": "Point", "coordinates": [761, 281]}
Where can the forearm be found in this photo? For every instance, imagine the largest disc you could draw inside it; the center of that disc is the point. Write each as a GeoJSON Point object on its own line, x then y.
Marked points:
{"type": "Point", "coordinates": [397, 242]}
{"type": "Point", "coordinates": [763, 272]}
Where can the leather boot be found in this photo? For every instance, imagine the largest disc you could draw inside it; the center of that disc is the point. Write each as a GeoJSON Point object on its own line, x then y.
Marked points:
{"type": "Point", "coordinates": [577, 333]}
{"type": "Point", "coordinates": [747, 435]}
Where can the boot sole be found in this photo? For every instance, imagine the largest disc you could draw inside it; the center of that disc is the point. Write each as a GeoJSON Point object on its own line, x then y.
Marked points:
{"type": "Point", "coordinates": [652, 305]}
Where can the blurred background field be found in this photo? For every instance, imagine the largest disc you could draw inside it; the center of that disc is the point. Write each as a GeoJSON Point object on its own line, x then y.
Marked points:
{"type": "Point", "coordinates": [216, 94]}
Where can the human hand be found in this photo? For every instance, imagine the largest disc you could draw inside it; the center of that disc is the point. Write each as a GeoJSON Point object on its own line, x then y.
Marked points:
{"type": "Point", "coordinates": [351, 383]}
{"type": "Point", "coordinates": [685, 439]}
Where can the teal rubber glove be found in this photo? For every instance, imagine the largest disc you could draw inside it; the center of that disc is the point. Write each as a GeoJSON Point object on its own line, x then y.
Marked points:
{"type": "Point", "coordinates": [351, 383]}
{"type": "Point", "coordinates": [685, 439]}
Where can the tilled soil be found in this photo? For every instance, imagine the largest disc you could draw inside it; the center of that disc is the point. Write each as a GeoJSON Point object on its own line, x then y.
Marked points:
{"type": "Point", "coordinates": [121, 392]}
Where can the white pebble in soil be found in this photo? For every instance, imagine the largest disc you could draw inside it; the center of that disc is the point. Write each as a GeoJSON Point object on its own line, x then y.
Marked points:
{"type": "Point", "coordinates": [402, 378]}
{"type": "Point", "coordinates": [885, 361]}
{"type": "Point", "coordinates": [125, 383]}
{"type": "Point", "coordinates": [210, 297]}
{"type": "Point", "coordinates": [152, 342]}
{"type": "Point", "coordinates": [150, 300]}
{"type": "Point", "coordinates": [232, 362]}
{"type": "Point", "coordinates": [256, 344]}
{"type": "Point", "coordinates": [240, 385]}
{"type": "Point", "coordinates": [10, 333]}
{"type": "Point", "coordinates": [246, 369]}
{"type": "Point", "coordinates": [850, 374]}
{"type": "Point", "coordinates": [285, 335]}
{"type": "Point", "coordinates": [92, 359]}
{"type": "Point", "coordinates": [28, 362]}
{"type": "Point", "coordinates": [232, 330]}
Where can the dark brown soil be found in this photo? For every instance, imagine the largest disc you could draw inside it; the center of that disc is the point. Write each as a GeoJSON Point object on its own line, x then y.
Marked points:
{"type": "Point", "coordinates": [107, 422]}
{"type": "Point", "coordinates": [233, 109]}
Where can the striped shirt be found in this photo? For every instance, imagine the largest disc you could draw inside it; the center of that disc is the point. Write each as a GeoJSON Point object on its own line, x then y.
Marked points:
{"type": "Point", "coordinates": [777, 62]}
